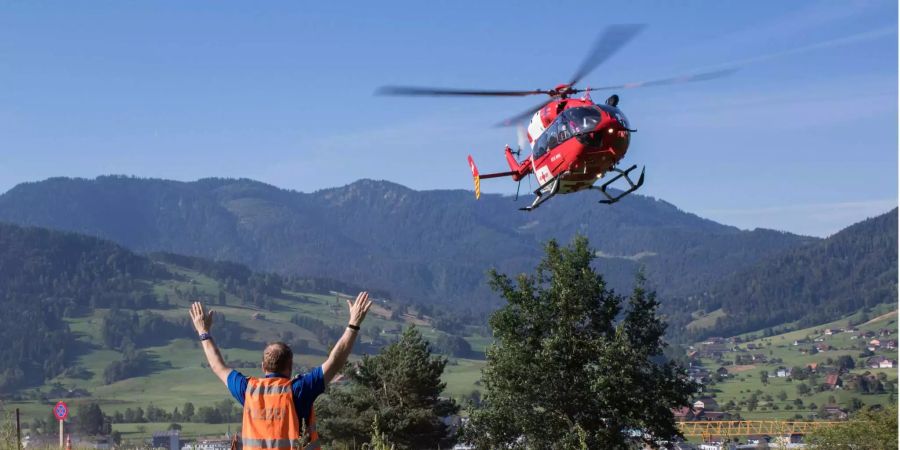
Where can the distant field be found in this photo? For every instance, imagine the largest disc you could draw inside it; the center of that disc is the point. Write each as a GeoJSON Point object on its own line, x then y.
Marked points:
{"type": "Point", "coordinates": [705, 321]}
{"type": "Point", "coordinates": [746, 379]}
{"type": "Point", "coordinates": [180, 376]}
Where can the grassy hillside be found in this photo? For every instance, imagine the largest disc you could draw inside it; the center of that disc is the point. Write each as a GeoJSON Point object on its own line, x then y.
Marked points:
{"type": "Point", "coordinates": [178, 376]}
{"type": "Point", "coordinates": [86, 320]}
{"type": "Point", "coordinates": [852, 269]}
{"type": "Point", "coordinates": [744, 378]}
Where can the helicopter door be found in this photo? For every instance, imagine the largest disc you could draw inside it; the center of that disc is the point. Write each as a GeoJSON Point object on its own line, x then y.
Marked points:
{"type": "Point", "coordinates": [538, 162]}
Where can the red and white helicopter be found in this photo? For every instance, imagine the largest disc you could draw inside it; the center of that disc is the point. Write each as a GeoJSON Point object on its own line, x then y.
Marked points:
{"type": "Point", "coordinates": [574, 141]}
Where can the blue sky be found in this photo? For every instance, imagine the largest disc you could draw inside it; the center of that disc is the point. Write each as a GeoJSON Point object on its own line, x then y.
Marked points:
{"type": "Point", "coordinates": [282, 92]}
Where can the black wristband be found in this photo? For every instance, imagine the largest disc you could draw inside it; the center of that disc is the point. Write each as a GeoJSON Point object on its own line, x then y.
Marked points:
{"type": "Point", "coordinates": [353, 327]}
{"type": "Point", "coordinates": [205, 336]}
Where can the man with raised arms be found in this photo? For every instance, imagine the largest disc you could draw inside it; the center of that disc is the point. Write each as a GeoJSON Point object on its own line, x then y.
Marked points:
{"type": "Point", "coordinates": [275, 404]}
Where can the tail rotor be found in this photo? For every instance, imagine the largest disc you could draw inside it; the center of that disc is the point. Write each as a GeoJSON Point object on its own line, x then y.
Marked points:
{"type": "Point", "coordinates": [475, 177]}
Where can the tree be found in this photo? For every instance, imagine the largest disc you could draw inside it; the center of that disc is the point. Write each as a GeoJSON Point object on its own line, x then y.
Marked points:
{"type": "Point", "coordinates": [187, 411]}
{"type": "Point", "coordinates": [90, 420]}
{"type": "Point", "coordinates": [401, 386]}
{"type": "Point", "coordinates": [562, 372]}
{"type": "Point", "coordinates": [875, 430]}
{"type": "Point", "coordinates": [452, 345]}
{"type": "Point", "coordinates": [845, 362]}
{"type": "Point", "coordinates": [802, 389]}
{"type": "Point", "coordinates": [764, 377]}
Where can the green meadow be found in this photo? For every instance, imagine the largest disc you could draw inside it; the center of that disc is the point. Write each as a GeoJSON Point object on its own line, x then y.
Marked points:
{"type": "Point", "coordinates": [178, 375]}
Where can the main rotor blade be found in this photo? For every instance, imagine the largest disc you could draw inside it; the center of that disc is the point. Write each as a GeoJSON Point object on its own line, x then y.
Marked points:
{"type": "Point", "coordinates": [671, 80]}
{"type": "Point", "coordinates": [608, 43]}
{"type": "Point", "coordinates": [428, 91]}
{"type": "Point", "coordinates": [518, 118]}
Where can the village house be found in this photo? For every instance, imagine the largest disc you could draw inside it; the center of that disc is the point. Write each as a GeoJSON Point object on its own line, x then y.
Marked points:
{"type": "Point", "coordinates": [684, 414]}
{"type": "Point", "coordinates": [713, 415]}
{"type": "Point", "coordinates": [722, 372]}
{"type": "Point", "coordinates": [891, 344]}
{"type": "Point", "coordinates": [834, 412]}
{"type": "Point", "coordinates": [880, 362]}
{"type": "Point", "coordinates": [823, 347]}
{"type": "Point", "coordinates": [833, 381]}
{"type": "Point", "coordinates": [706, 403]}
{"type": "Point", "coordinates": [783, 372]}
{"type": "Point", "coordinates": [812, 366]}
{"type": "Point", "coordinates": [884, 332]}
{"type": "Point", "coordinates": [698, 374]}
{"type": "Point", "coordinates": [829, 332]}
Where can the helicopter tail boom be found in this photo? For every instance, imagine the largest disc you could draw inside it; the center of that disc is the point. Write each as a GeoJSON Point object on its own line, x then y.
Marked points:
{"type": "Point", "coordinates": [476, 177]}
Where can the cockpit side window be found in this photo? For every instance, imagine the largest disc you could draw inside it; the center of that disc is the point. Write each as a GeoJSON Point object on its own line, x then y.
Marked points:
{"type": "Point", "coordinates": [565, 129]}
{"type": "Point", "coordinates": [552, 140]}
{"type": "Point", "coordinates": [540, 146]}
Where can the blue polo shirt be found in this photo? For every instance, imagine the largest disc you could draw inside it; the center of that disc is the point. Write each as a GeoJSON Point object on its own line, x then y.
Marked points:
{"type": "Point", "coordinates": [304, 388]}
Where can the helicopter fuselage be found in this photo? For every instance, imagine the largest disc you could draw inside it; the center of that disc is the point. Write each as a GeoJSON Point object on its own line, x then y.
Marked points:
{"type": "Point", "coordinates": [576, 141]}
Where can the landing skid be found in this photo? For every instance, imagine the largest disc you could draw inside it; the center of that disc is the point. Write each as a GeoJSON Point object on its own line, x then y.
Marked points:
{"type": "Point", "coordinates": [541, 197]}
{"type": "Point", "coordinates": [620, 174]}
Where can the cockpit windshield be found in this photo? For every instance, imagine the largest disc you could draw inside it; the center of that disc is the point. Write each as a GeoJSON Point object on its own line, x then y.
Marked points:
{"type": "Point", "coordinates": [615, 113]}
{"type": "Point", "coordinates": [581, 120]}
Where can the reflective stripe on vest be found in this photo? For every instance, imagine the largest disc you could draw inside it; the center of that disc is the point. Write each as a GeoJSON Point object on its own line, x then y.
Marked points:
{"type": "Point", "coordinates": [266, 443]}
{"type": "Point", "coordinates": [267, 390]}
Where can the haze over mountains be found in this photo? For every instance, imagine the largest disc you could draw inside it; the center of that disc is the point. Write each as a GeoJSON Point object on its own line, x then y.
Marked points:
{"type": "Point", "coordinates": [422, 246]}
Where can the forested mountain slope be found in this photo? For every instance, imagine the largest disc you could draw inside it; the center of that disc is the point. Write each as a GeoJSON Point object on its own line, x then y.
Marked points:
{"type": "Point", "coordinates": [421, 246]}
{"type": "Point", "coordinates": [853, 269]}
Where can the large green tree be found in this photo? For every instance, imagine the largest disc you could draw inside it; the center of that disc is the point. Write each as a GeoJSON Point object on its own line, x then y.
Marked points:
{"type": "Point", "coordinates": [401, 386]}
{"type": "Point", "coordinates": [871, 430]}
{"type": "Point", "coordinates": [567, 370]}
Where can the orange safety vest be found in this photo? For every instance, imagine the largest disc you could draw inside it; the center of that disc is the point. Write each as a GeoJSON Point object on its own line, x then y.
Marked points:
{"type": "Point", "coordinates": [270, 419]}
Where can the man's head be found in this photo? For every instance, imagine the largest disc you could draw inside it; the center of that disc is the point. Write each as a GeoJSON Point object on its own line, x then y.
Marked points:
{"type": "Point", "coordinates": [278, 358]}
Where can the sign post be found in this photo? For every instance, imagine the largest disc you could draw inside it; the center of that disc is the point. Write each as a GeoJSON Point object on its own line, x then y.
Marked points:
{"type": "Point", "coordinates": [61, 411]}
{"type": "Point", "coordinates": [18, 431]}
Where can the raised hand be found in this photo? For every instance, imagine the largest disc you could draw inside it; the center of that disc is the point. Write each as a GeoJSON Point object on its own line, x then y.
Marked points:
{"type": "Point", "coordinates": [202, 320]}
{"type": "Point", "coordinates": [359, 308]}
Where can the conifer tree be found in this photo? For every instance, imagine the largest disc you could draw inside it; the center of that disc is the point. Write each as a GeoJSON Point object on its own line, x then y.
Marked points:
{"type": "Point", "coordinates": [565, 372]}
{"type": "Point", "coordinates": [401, 386]}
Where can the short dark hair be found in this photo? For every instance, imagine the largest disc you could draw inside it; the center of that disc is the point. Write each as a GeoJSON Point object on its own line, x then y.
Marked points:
{"type": "Point", "coordinates": [277, 357]}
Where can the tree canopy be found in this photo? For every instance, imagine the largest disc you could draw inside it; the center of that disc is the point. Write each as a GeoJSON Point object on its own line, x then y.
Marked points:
{"type": "Point", "coordinates": [564, 372]}
{"type": "Point", "coordinates": [872, 430]}
{"type": "Point", "coordinates": [400, 388]}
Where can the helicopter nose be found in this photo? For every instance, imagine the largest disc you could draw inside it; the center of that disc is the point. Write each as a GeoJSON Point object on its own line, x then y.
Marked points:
{"type": "Point", "coordinates": [618, 140]}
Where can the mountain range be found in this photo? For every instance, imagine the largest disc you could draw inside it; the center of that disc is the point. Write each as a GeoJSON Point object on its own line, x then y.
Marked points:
{"type": "Point", "coordinates": [420, 246]}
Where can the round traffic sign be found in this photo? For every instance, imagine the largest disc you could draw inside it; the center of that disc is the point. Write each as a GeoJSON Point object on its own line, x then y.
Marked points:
{"type": "Point", "coordinates": [61, 411]}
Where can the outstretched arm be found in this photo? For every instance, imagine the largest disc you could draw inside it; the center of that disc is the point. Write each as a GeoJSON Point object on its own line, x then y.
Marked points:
{"type": "Point", "coordinates": [203, 322]}
{"type": "Point", "coordinates": [344, 346]}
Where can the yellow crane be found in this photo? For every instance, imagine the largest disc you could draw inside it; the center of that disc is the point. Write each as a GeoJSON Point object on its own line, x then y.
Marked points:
{"type": "Point", "coordinates": [708, 429]}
